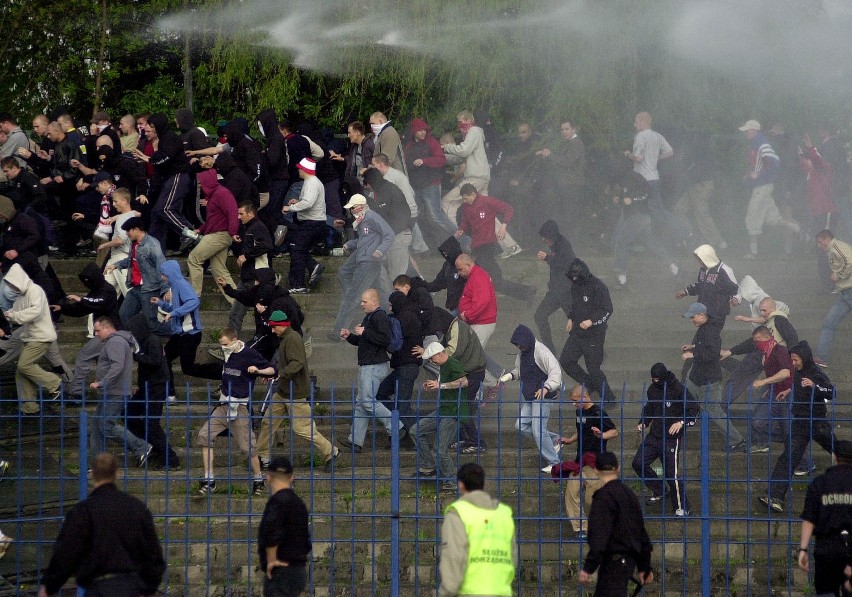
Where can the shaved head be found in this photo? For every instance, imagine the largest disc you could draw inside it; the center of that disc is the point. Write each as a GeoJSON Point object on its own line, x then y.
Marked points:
{"type": "Point", "coordinates": [464, 264]}
{"type": "Point", "coordinates": [370, 300]}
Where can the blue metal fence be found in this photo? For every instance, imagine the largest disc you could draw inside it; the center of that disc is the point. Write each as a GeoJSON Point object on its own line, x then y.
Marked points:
{"type": "Point", "coordinates": [376, 524]}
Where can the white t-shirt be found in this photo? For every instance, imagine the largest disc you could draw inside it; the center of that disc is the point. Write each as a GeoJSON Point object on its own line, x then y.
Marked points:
{"type": "Point", "coordinates": [123, 250]}
{"type": "Point", "coordinates": [649, 145]}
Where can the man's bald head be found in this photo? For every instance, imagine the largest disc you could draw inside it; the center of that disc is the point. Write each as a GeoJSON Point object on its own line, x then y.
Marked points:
{"type": "Point", "coordinates": [464, 264]}
{"type": "Point", "coordinates": [767, 306]}
{"type": "Point", "coordinates": [370, 300]}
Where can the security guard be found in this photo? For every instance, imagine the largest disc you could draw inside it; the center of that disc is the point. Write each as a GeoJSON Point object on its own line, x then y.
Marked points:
{"type": "Point", "coordinates": [827, 516]}
{"type": "Point", "coordinates": [478, 551]}
{"type": "Point", "coordinates": [618, 541]}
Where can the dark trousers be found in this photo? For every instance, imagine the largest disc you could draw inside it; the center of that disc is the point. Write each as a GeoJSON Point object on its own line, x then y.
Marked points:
{"type": "Point", "coordinates": [300, 240]}
{"type": "Point", "coordinates": [828, 572]}
{"type": "Point", "coordinates": [613, 576]}
{"type": "Point", "coordinates": [795, 445]}
{"type": "Point", "coordinates": [550, 304]}
{"type": "Point", "coordinates": [469, 431]}
{"type": "Point", "coordinates": [400, 383]}
{"type": "Point", "coordinates": [591, 349]}
{"type": "Point", "coordinates": [745, 372]}
{"type": "Point", "coordinates": [122, 585]}
{"type": "Point", "coordinates": [286, 581]}
{"type": "Point", "coordinates": [485, 257]}
{"type": "Point", "coordinates": [168, 208]}
{"type": "Point", "coordinates": [184, 346]}
{"type": "Point", "coordinates": [144, 412]}
{"type": "Point", "coordinates": [668, 451]}
{"type": "Point", "coordinates": [265, 345]}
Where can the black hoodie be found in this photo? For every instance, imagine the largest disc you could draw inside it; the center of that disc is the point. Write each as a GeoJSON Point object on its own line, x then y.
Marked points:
{"type": "Point", "coordinates": [191, 135]}
{"type": "Point", "coordinates": [235, 180]}
{"type": "Point", "coordinates": [561, 255]}
{"type": "Point", "coordinates": [448, 278]}
{"type": "Point", "coordinates": [169, 159]}
{"type": "Point", "coordinates": [809, 400]}
{"type": "Point", "coordinates": [408, 315]}
{"type": "Point", "coordinates": [589, 300]}
{"type": "Point", "coordinates": [100, 300]}
{"type": "Point", "coordinates": [276, 148]}
{"type": "Point", "coordinates": [668, 402]}
{"type": "Point", "coordinates": [247, 155]}
{"type": "Point", "coordinates": [153, 365]}
{"type": "Point", "coordinates": [274, 298]}
{"type": "Point", "coordinates": [388, 201]}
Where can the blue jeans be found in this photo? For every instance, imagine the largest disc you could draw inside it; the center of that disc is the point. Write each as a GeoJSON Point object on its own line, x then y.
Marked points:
{"type": "Point", "coordinates": [400, 383]}
{"type": "Point", "coordinates": [532, 422]}
{"type": "Point", "coordinates": [836, 314]}
{"type": "Point", "coordinates": [710, 397]}
{"type": "Point", "coordinates": [770, 419]}
{"type": "Point", "coordinates": [429, 458]}
{"type": "Point", "coordinates": [366, 406]}
{"type": "Point", "coordinates": [104, 427]}
{"type": "Point", "coordinates": [677, 227]}
{"type": "Point", "coordinates": [354, 278]}
{"type": "Point", "coordinates": [137, 300]}
{"type": "Point", "coordinates": [431, 203]}
{"type": "Point", "coordinates": [629, 230]}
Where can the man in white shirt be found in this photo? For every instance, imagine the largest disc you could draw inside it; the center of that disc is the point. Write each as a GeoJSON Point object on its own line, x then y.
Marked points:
{"type": "Point", "coordinates": [311, 228]}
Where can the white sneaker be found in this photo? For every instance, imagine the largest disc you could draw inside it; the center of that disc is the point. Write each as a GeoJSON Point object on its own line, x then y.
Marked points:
{"type": "Point", "coordinates": [547, 469]}
{"type": "Point", "coordinates": [673, 269]}
{"type": "Point", "coordinates": [5, 542]}
{"type": "Point", "coordinates": [172, 399]}
{"type": "Point", "coordinates": [511, 252]}
{"type": "Point", "coordinates": [622, 279]}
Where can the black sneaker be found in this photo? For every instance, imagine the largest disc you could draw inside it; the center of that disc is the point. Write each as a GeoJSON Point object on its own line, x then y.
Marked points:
{"type": "Point", "coordinates": [258, 488]}
{"type": "Point", "coordinates": [346, 443]}
{"type": "Point", "coordinates": [329, 464]}
{"type": "Point", "coordinates": [774, 504]}
{"type": "Point", "coordinates": [740, 446]}
{"type": "Point", "coordinates": [316, 274]}
{"type": "Point", "coordinates": [424, 473]}
{"type": "Point", "coordinates": [144, 457]}
{"type": "Point", "coordinates": [653, 499]}
{"type": "Point", "coordinates": [207, 486]}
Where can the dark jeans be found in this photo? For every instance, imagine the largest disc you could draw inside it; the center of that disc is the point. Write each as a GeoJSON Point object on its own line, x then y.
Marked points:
{"type": "Point", "coordinates": [668, 451]}
{"type": "Point", "coordinates": [286, 581]}
{"type": "Point", "coordinates": [795, 446]}
{"type": "Point", "coordinates": [122, 585]}
{"type": "Point", "coordinates": [550, 304]}
{"type": "Point", "coordinates": [828, 571]}
{"type": "Point", "coordinates": [184, 346]}
{"type": "Point", "coordinates": [748, 369]}
{"type": "Point", "coordinates": [485, 257]}
{"type": "Point", "coordinates": [469, 431]}
{"type": "Point", "coordinates": [143, 420]}
{"type": "Point", "coordinates": [400, 382]}
{"type": "Point", "coordinates": [591, 349]}
{"type": "Point", "coordinates": [265, 345]}
{"type": "Point", "coordinates": [300, 239]}
{"type": "Point", "coordinates": [613, 575]}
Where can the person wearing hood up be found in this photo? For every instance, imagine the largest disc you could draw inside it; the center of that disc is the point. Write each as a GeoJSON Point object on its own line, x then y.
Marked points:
{"type": "Point", "coordinates": [100, 300]}
{"type": "Point", "coordinates": [448, 278]}
{"type": "Point", "coordinates": [233, 179]}
{"type": "Point", "coordinates": [716, 284]}
{"type": "Point", "coordinates": [247, 155]}
{"type": "Point", "coordinates": [171, 184]}
{"type": "Point", "coordinates": [145, 406]}
{"type": "Point", "coordinates": [558, 257]}
{"type": "Point", "coordinates": [191, 136]}
{"type": "Point", "coordinates": [425, 161]}
{"type": "Point", "coordinates": [113, 381]}
{"type": "Point", "coordinates": [762, 170]}
{"type": "Point", "coordinates": [219, 230]}
{"type": "Point", "coordinates": [811, 390]}
{"type": "Point", "coordinates": [541, 379]}
{"type": "Point", "coordinates": [276, 157]}
{"type": "Point", "coordinates": [182, 313]}
{"type": "Point", "coordinates": [591, 309]}
{"type": "Point", "coordinates": [669, 409]}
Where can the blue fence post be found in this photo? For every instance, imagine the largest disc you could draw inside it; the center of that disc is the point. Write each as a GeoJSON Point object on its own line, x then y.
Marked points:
{"type": "Point", "coordinates": [84, 467]}
{"type": "Point", "coordinates": [394, 569]}
{"type": "Point", "coordinates": [705, 504]}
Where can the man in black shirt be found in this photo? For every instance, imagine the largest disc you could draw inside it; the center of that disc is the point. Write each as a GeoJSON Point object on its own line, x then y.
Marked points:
{"type": "Point", "coordinates": [618, 541]}
{"type": "Point", "coordinates": [108, 542]}
{"type": "Point", "coordinates": [594, 428]}
{"type": "Point", "coordinates": [283, 539]}
{"type": "Point", "coordinates": [827, 516]}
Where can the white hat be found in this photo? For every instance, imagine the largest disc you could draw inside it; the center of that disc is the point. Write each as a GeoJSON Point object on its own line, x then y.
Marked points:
{"type": "Point", "coordinates": [433, 349]}
{"type": "Point", "coordinates": [356, 199]}
{"type": "Point", "coordinates": [307, 165]}
{"type": "Point", "coordinates": [750, 125]}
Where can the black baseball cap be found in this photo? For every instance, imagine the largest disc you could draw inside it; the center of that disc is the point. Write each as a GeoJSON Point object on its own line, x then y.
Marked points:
{"type": "Point", "coordinates": [103, 175]}
{"type": "Point", "coordinates": [280, 465]}
{"type": "Point", "coordinates": [131, 223]}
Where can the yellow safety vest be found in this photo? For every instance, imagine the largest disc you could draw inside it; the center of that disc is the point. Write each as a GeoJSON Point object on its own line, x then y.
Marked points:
{"type": "Point", "coordinates": [489, 556]}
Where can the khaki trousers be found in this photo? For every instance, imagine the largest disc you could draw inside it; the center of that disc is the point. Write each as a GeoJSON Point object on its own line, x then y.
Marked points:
{"type": "Point", "coordinates": [697, 200]}
{"type": "Point", "coordinates": [213, 246]}
{"type": "Point", "coordinates": [301, 422]}
{"type": "Point", "coordinates": [29, 377]}
{"type": "Point", "coordinates": [589, 484]}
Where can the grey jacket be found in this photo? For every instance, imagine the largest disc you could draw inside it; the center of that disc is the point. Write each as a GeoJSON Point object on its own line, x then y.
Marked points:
{"type": "Point", "coordinates": [374, 234]}
{"type": "Point", "coordinates": [150, 257]}
{"type": "Point", "coordinates": [472, 150]}
{"type": "Point", "coordinates": [114, 370]}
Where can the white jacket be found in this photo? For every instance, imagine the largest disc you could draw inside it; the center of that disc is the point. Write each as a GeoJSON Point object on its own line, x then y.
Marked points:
{"type": "Point", "coordinates": [31, 309]}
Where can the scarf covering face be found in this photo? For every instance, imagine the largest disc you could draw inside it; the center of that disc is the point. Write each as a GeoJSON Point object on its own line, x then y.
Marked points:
{"type": "Point", "coordinates": [464, 127]}
{"type": "Point", "coordinates": [765, 346]}
{"type": "Point", "coordinates": [229, 349]}
{"type": "Point", "coordinates": [377, 128]}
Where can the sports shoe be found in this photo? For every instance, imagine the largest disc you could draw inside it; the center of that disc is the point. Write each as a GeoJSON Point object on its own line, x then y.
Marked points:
{"type": "Point", "coordinates": [4, 466]}
{"type": "Point", "coordinates": [740, 446]}
{"type": "Point", "coordinates": [581, 535]}
{"type": "Point", "coordinates": [673, 268]}
{"type": "Point", "coordinates": [144, 457]}
{"type": "Point", "coordinates": [329, 464]}
{"type": "Point", "coordinates": [207, 486]}
{"type": "Point", "coordinates": [820, 363]}
{"type": "Point", "coordinates": [547, 469]}
{"type": "Point", "coordinates": [172, 399]}
{"type": "Point", "coordinates": [514, 250]}
{"type": "Point", "coordinates": [804, 471]}
{"type": "Point", "coordinates": [424, 473]}
{"type": "Point", "coordinates": [187, 244]}
{"type": "Point", "coordinates": [264, 461]}
{"type": "Point", "coordinates": [316, 274]}
{"type": "Point", "coordinates": [5, 542]}
{"type": "Point", "coordinates": [653, 499]}
{"type": "Point", "coordinates": [298, 291]}
{"type": "Point", "coordinates": [774, 504]}
{"type": "Point", "coordinates": [681, 512]}
{"type": "Point", "coordinates": [471, 449]}
{"type": "Point", "coordinates": [449, 486]}
{"type": "Point", "coordinates": [258, 488]}
{"type": "Point", "coordinates": [455, 446]}
{"type": "Point", "coordinates": [759, 449]}
{"type": "Point", "coordinates": [347, 443]}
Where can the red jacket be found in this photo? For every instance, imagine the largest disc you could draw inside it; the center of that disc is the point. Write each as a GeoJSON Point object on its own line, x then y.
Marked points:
{"type": "Point", "coordinates": [221, 205]}
{"type": "Point", "coordinates": [478, 301]}
{"type": "Point", "coordinates": [819, 182]}
{"type": "Point", "coordinates": [477, 219]}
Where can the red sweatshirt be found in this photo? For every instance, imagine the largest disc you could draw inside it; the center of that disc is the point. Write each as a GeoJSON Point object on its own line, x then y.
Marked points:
{"type": "Point", "coordinates": [221, 205]}
{"type": "Point", "coordinates": [477, 219]}
{"type": "Point", "coordinates": [478, 301]}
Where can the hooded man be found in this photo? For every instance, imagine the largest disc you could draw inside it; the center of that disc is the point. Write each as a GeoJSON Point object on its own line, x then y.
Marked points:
{"type": "Point", "coordinates": [448, 278]}
{"type": "Point", "coordinates": [559, 255]}
{"type": "Point", "coordinates": [716, 284]}
{"type": "Point", "coordinates": [425, 161]}
{"type": "Point", "coordinates": [247, 155]}
{"type": "Point", "coordinates": [32, 312]}
{"type": "Point", "coordinates": [668, 410]}
{"type": "Point", "coordinates": [20, 244]}
{"type": "Point", "coordinates": [191, 136]}
{"type": "Point", "coordinates": [591, 308]}
{"type": "Point", "coordinates": [100, 300]}
{"type": "Point", "coordinates": [540, 377]}
{"type": "Point", "coordinates": [812, 390]}
{"type": "Point", "coordinates": [276, 159]}
{"type": "Point", "coordinates": [171, 184]}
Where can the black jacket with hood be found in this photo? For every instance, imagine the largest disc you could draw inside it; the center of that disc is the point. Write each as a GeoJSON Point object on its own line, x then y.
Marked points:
{"type": "Point", "coordinates": [274, 298]}
{"type": "Point", "coordinates": [388, 201]}
{"type": "Point", "coordinates": [169, 159]}
{"type": "Point", "coordinates": [276, 148]}
{"type": "Point", "coordinates": [153, 365]}
{"type": "Point", "coordinates": [589, 300]}
{"type": "Point", "coordinates": [191, 136]}
{"type": "Point", "coordinates": [809, 401]}
{"type": "Point", "coordinates": [668, 402]}
{"type": "Point", "coordinates": [448, 278]}
{"type": "Point", "coordinates": [235, 180]}
{"type": "Point", "coordinates": [255, 244]}
{"type": "Point", "coordinates": [404, 309]}
{"type": "Point", "coordinates": [247, 154]}
{"type": "Point", "coordinates": [561, 255]}
{"type": "Point", "coordinates": [20, 231]}
{"type": "Point", "coordinates": [100, 300]}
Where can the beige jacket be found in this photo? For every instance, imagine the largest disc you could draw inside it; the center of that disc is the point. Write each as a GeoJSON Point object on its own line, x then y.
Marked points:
{"type": "Point", "coordinates": [840, 261]}
{"type": "Point", "coordinates": [31, 309]}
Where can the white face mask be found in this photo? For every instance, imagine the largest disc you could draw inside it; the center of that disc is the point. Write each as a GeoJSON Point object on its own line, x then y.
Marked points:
{"type": "Point", "coordinates": [229, 349]}
{"type": "Point", "coordinates": [260, 128]}
{"type": "Point", "coordinates": [377, 128]}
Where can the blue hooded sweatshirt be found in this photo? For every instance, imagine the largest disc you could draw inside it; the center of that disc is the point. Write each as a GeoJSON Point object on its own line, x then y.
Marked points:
{"type": "Point", "coordinates": [184, 305]}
